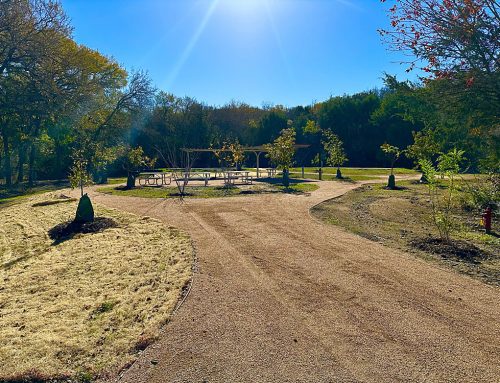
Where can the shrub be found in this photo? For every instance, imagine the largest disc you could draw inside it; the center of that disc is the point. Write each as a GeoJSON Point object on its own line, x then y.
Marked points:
{"type": "Point", "coordinates": [442, 204]}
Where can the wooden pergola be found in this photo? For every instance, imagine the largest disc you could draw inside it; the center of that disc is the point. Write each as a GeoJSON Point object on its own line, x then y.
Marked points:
{"type": "Point", "coordinates": [257, 150]}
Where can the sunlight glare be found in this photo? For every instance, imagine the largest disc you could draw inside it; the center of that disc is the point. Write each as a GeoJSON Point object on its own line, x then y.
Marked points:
{"type": "Point", "coordinates": [244, 7]}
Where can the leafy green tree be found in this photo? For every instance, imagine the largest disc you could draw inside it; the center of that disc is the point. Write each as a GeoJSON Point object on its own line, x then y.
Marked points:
{"type": "Point", "coordinates": [350, 118]}
{"type": "Point", "coordinates": [230, 154]}
{"type": "Point", "coordinates": [281, 153]}
{"type": "Point", "coordinates": [29, 30]}
{"type": "Point", "coordinates": [133, 161]}
{"type": "Point", "coordinates": [311, 127]}
{"type": "Point", "coordinates": [334, 151]}
{"type": "Point", "coordinates": [424, 147]}
{"type": "Point", "coordinates": [457, 44]}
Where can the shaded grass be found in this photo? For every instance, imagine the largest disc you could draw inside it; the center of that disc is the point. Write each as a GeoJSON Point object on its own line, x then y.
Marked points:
{"type": "Point", "coordinates": [19, 192]}
{"type": "Point", "coordinates": [84, 307]}
{"type": "Point", "coordinates": [403, 219]}
{"type": "Point", "coordinates": [117, 181]}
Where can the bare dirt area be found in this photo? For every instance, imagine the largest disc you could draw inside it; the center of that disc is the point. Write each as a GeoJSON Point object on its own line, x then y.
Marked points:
{"type": "Point", "coordinates": [281, 297]}
{"type": "Point", "coordinates": [86, 302]}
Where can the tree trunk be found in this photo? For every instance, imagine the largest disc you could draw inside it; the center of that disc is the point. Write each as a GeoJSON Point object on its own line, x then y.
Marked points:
{"type": "Point", "coordinates": [20, 165]}
{"type": "Point", "coordinates": [7, 169]}
{"type": "Point", "coordinates": [31, 165]}
{"type": "Point", "coordinates": [286, 178]}
{"type": "Point", "coordinates": [32, 154]}
{"type": "Point", "coordinates": [59, 161]}
{"type": "Point", "coordinates": [130, 180]}
{"type": "Point", "coordinates": [339, 173]}
{"type": "Point", "coordinates": [391, 184]}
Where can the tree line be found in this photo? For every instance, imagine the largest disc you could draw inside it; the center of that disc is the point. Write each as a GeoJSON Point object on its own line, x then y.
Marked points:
{"type": "Point", "coordinates": [61, 101]}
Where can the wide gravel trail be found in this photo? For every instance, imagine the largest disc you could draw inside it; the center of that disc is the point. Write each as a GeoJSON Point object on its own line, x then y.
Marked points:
{"type": "Point", "coordinates": [281, 297]}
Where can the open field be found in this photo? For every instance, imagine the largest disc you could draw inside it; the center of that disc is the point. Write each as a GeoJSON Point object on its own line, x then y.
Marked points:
{"type": "Point", "coordinates": [398, 218]}
{"type": "Point", "coordinates": [87, 305]}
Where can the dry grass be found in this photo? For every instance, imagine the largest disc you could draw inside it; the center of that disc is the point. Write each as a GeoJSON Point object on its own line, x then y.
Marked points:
{"type": "Point", "coordinates": [86, 306]}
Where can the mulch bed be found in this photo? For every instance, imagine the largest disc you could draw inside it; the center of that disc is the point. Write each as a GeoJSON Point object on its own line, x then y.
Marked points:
{"type": "Point", "coordinates": [454, 248]}
{"type": "Point", "coordinates": [69, 229]}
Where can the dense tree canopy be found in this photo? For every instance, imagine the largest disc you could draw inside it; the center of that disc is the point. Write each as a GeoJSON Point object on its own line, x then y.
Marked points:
{"type": "Point", "coordinates": [58, 98]}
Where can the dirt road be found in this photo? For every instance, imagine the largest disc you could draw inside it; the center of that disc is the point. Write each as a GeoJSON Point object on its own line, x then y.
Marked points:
{"type": "Point", "coordinates": [280, 297]}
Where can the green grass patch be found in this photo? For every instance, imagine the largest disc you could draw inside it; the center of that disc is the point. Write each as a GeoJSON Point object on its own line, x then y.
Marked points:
{"type": "Point", "coordinates": [354, 174]}
{"type": "Point", "coordinates": [117, 181]}
{"type": "Point", "coordinates": [297, 188]}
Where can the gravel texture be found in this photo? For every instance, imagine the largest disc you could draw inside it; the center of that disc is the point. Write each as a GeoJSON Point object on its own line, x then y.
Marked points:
{"type": "Point", "coordinates": [281, 297]}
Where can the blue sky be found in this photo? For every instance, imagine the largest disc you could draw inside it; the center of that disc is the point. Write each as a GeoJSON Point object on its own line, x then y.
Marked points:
{"type": "Point", "coordinates": [290, 52]}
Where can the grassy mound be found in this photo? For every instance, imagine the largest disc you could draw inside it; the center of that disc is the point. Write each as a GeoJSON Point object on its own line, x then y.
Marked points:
{"type": "Point", "coordinates": [85, 306]}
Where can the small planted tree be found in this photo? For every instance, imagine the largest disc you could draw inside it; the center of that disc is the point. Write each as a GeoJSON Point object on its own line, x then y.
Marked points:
{"type": "Point", "coordinates": [281, 152]}
{"type": "Point", "coordinates": [236, 150]}
{"type": "Point", "coordinates": [424, 147]}
{"type": "Point", "coordinates": [230, 154]}
{"type": "Point", "coordinates": [79, 177]}
{"type": "Point", "coordinates": [393, 152]}
{"type": "Point", "coordinates": [448, 167]}
{"type": "Point", "coordinates": [133, 161]}
{"type": "Point", "coordinates": [334, 149]}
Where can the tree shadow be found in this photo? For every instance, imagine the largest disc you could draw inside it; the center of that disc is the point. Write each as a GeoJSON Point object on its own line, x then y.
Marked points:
{"type": "Point", "coordinates": [279, 181]}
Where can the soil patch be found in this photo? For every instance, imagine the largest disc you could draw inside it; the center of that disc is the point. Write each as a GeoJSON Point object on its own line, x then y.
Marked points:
{"type": "Point", "coordinates": [454, 248]}
{"type": "Point", "coordinates": [69, 229]}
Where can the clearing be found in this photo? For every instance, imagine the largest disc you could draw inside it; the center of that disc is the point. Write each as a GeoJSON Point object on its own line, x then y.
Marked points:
{"type": "Point", "coordinates": [281, 296]}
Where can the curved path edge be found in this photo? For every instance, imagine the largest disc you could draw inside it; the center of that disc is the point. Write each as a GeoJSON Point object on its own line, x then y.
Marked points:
{"type": "Point", "coordinates": [282, 297]}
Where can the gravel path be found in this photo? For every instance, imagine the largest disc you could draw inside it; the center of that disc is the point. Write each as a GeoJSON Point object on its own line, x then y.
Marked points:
{"type": "Point", "coordinates": [281, 297]}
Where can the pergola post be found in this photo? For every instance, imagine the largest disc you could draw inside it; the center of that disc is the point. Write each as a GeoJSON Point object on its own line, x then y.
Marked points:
{"type": "Point", "coordinates": [257, 155]}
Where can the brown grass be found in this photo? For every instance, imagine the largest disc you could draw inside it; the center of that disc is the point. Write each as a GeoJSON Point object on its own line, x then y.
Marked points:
{"type": "Point", "coordinates": [89, 304]}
